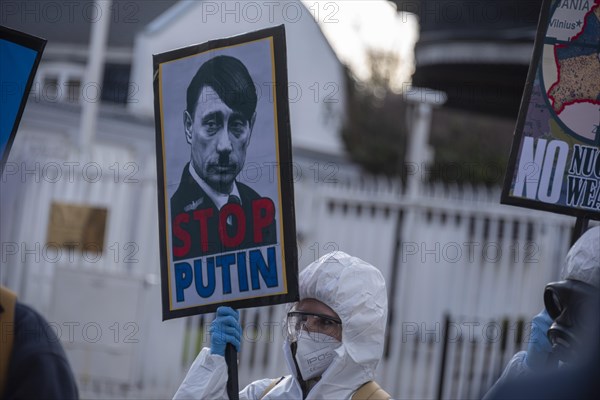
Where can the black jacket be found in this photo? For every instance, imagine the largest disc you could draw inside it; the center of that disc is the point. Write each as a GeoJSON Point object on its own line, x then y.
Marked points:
{"type": "Point", "coordinates": [38, 367]}
{"type": "Point", "coordinates": [190, 198]}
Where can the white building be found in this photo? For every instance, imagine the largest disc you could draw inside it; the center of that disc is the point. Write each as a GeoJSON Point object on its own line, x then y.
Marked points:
{"type": "Point", "coordinates": [316, 77]}
{"type": "Point", "coordinates": [113, 294]}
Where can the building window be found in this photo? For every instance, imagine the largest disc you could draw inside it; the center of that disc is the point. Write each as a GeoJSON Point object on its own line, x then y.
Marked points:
{"type": "Point", "coordinates": [73, 91]}
{"type": "Point", "coordinates": [116, 87]}
{"type": "Point", "coordinates": [51, 89]}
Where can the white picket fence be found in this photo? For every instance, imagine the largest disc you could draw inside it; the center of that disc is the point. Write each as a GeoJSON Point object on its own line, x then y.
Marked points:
{"type": "Point", "coordinates": [464, 275]}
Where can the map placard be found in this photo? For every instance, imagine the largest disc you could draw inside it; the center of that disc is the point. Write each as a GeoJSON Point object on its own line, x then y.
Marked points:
{"type": "Point", "coordinates": [555, 158]}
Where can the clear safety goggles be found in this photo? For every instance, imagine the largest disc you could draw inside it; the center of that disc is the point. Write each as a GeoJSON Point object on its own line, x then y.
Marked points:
{"type": "Point", "coordinates": [310, 324]}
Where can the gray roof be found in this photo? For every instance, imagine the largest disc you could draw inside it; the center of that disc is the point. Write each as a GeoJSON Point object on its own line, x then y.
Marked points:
{"type": "Point", "coordinates": [70, 22]}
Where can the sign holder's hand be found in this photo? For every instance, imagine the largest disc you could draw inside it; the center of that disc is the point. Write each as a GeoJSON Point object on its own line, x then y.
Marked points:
{"type": "Point", "coordinates": [225, 329]}
{"type": "Point", "coordinates": [226, 334]}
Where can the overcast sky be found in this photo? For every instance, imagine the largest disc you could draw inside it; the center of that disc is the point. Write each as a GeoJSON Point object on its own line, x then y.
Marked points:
{"type": "Point", "coordinates": [352, 26]}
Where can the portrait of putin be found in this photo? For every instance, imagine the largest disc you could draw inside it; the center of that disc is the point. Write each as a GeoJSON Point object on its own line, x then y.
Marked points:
{"type": "Point", "coordinates": [218, 122]}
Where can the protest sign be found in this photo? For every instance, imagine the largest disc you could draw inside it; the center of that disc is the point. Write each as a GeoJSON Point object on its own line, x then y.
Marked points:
{"type": "Point", "coordinates": [20, 56]}
{"type": "Point", "coordinates": [226, 201]}
{"type": "Point", "coordinates": [555, 158]}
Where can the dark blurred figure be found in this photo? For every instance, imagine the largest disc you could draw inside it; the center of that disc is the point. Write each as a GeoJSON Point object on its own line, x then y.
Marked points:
{"type": "Point", "coordinates": [578, 381]}
{"type": "Point", "coordinates": [562, 360]}
{"type": "Point", "coordinates": [33, 364]}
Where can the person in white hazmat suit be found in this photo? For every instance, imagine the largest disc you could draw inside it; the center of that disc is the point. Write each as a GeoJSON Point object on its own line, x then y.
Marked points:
{"type": "Point", "coordinates": [335, 338]}
{"type": "Point", "coordinates": [567, 330]}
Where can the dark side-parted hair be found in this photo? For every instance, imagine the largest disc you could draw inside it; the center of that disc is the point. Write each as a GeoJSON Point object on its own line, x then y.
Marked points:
{"type": "Point", "coordinates": [232, 82]}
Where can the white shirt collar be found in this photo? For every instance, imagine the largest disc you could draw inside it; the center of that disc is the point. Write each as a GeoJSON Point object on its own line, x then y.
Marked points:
{"type": "Point", "coordinates": [219, 199]}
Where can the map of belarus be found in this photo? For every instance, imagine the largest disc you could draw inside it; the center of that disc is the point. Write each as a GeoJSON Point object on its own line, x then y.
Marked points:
{"type": "Point", "coordinates": [578, 62]}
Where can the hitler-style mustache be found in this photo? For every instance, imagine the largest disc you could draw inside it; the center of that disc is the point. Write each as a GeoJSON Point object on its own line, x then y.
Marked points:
{"type": "Point", "coordinates": [223, 160]}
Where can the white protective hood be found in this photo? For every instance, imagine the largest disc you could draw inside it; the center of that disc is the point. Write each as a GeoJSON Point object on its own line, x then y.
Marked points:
{"type": "Point", "coordinates": [583, 259]}
{"type": "Point", "coordinates": [356, 291]}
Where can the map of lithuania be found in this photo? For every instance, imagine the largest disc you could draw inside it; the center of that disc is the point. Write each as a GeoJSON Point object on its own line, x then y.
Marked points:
{"type": "Point", "coordinates": [578, 66]}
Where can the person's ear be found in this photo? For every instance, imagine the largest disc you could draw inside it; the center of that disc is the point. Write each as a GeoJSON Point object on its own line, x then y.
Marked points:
{"type": "Point", "coordinates": [188, 123]}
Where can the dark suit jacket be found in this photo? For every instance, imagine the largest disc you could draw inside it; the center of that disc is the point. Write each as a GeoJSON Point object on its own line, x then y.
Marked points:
{"type": "Point", "coordinates": [189, 199]}
{"type": "Point", "coordinates": [38, 367]}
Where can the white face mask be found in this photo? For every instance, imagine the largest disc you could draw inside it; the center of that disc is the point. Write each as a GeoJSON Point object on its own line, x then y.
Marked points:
{"type": "Point", "coordinates": [315, 355]}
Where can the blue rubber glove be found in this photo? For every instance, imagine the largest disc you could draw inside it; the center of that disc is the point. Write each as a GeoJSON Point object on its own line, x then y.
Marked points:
{"type": "Point", "coordinates": [539, 347]}
{"type": "Point", "coordinates": [225, 329]}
